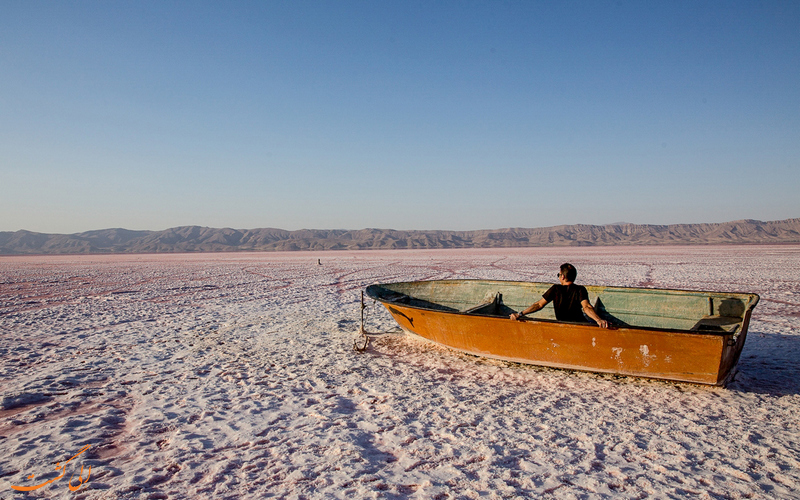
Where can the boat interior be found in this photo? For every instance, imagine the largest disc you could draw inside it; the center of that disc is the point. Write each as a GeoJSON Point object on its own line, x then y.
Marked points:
{"type": "Point", "coordinates": [685, 310]}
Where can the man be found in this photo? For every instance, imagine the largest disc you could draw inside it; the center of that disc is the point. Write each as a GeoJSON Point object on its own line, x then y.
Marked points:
{"type": "Point", "coordinates": [570, 301]}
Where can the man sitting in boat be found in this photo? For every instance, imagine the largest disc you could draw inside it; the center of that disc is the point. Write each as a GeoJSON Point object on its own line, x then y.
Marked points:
{"type": "Point", "coordinates": [570, 301]}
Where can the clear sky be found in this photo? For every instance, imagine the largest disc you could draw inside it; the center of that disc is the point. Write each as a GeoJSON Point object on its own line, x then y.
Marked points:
{"type": "Point", "coordinates": [396, 115]}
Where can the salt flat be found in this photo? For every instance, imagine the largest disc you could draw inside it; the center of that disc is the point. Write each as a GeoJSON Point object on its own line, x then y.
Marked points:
{"type": "Point", "coordinates": [233, 376]}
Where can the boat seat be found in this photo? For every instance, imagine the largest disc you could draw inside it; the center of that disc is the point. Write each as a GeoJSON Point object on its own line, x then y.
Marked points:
{"type": "Point", "coordinates": [488, 306]}
{"type": "Point", "coordinates": [716, 323]}
{"type": "Point", "coordinates": [492, 306]}
{"type": "Point", "coordinates": [397, 297]}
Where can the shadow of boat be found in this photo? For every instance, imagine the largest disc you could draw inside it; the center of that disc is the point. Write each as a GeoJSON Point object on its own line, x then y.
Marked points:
{"type": "Point", "coordinates": [770, 364]}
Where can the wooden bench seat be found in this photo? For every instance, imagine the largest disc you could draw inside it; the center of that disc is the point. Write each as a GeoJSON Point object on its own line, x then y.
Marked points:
{"type": "Point", "coordinates": [716, 323]}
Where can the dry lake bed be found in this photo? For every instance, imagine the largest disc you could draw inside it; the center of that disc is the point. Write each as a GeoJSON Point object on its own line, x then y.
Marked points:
{"type": "Point", "coordinates": [233, 376]}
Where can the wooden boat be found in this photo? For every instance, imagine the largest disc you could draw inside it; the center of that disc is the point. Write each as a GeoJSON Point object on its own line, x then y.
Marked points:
{"type": "Point", "coordinates": [681, 335]}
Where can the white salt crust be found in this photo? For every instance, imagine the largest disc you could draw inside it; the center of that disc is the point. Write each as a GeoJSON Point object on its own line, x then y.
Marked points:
{"type": "Point", "coordinates": [233, 376]}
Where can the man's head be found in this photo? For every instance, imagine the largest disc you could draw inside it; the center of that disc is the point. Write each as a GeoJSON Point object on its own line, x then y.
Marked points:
{"type": "Point", "coordinates": [569, 272]}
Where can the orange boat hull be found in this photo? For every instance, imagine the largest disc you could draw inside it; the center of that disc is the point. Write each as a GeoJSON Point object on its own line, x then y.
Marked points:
{"type": "Point", "coordinates": [669, 355]}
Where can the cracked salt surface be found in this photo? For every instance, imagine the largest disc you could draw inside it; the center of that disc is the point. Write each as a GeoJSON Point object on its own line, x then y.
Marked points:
{"type": "Point", "coordinates": [232, 376]}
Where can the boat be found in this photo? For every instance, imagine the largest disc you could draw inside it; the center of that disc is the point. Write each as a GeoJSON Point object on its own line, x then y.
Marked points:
{"type": "Point", "coordinates": [679, 335]}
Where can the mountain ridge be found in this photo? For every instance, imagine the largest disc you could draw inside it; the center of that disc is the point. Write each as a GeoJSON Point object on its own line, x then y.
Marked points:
{"type": "Point", "coordinates": [206, 239]}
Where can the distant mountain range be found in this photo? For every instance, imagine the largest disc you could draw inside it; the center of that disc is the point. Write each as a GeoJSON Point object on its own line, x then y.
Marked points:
{"type": "Point", "coordinates": [204, 239]}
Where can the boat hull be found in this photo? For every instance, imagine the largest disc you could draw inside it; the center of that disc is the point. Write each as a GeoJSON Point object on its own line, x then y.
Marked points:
{"type": "Point", "coordinates": [662, 353]}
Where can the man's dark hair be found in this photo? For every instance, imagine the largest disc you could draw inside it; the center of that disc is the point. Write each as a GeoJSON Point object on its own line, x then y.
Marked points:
{"type": "Point", "coordinates": [569, 272]}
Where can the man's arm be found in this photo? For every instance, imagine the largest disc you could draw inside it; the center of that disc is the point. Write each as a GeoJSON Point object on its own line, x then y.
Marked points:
{"type": "Point", "coordinates": [530, 309]}
{"type": "Point", "coordinates": [589, 310]}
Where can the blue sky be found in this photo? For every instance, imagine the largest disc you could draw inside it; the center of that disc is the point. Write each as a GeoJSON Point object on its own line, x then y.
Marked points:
{"type": "Point", "coordinates": [405, 115]}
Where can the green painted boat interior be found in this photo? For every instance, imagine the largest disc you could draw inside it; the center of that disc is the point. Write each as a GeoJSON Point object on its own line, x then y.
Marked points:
{"type": "Point", "coordinates": [687, 310]}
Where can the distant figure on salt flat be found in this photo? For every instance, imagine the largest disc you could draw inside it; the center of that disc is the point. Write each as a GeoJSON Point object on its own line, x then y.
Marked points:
{"type": "Point", "coordinates": [319, 262]}
{"type": "Point", "coordinates": [570, 301]}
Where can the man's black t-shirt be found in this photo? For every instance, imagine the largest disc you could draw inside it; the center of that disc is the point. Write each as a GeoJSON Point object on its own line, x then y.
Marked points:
{"type": "Point", "coordinates": [567, 301]}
